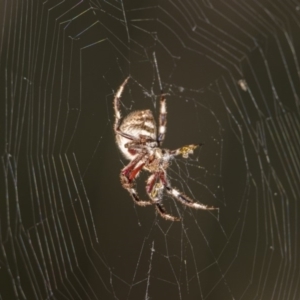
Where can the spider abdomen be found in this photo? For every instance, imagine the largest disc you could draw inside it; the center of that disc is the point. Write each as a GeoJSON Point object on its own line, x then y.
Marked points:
{"type": "Point", "coordinates": [136, 124]}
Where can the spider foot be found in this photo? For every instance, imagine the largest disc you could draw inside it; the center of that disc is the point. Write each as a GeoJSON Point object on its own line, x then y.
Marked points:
{"type": "Point", "coordinates": [187, 201]}
{"type": "Point", "coordinates": [162, 212]}
{"type": "Point", "coordinates": [136, 198]}
{"type": "Point", "coordinates": [155, 193]}
{"type": "Point", "coordinates": [197, 205]}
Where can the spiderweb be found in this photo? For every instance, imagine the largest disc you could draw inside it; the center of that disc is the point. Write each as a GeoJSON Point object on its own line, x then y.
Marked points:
{"type": "Point", "coordinates": [231, 74]}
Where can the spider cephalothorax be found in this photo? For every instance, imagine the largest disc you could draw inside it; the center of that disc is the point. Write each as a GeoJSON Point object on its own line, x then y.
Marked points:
{"type": "Point", "coordinates": [139, 141]}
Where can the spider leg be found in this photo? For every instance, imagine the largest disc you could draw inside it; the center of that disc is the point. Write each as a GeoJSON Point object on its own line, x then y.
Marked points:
{"type": "Point", "coordinates": [182, 197]}
{"type": "Point", "coordinates": [127, 169]}
{"type": "Point", "coordinates": [154, 190]}
{"type": "Point", "coordinates": [132, 191]}
{"type": "Point", "coordinates": [128, 175]}
{"type": "Point", "coordinates": [162, 119]}
{"type": "Point", "coordinates": [117, 109]}
{"type": "Point", "coordinates": [117, 98]}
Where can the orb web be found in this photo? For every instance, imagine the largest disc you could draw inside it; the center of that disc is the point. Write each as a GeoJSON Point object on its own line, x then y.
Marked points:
{"type": "Point", "coordinates": [230, 72]}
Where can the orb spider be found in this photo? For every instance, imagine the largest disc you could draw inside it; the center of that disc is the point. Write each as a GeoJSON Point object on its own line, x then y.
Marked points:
{"type": "Point", "coordinates": [139, 142]}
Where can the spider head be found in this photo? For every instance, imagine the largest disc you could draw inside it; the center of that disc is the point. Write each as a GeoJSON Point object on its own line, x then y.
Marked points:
{"type": "Point", "coordinates": [166, 158]}
{"type": "Point", "coordinates": [162, 154]}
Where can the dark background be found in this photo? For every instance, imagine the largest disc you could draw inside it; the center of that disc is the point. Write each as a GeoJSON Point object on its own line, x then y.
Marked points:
{"type": "Point", "coordinates": [68, 228]}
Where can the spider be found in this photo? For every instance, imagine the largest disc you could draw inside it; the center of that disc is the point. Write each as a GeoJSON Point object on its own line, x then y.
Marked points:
{"type": "Point", "coordinates": [140, 142]}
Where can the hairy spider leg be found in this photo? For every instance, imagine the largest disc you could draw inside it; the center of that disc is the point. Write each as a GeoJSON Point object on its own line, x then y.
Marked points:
{"type": "Point", "coordinates": [117, 109]}
{"type": "Point", "coordinates": [126, 171]}
{"type": "Point", "coordinates": [162, 119]}
{"type": "Point", "coordinates": [182, 197]}
{"type": "Point", "coordinates": [128, 175]}
{"type": "Point", "coordinates": [117, 98]}
{"type": "Point", "coordinates": [154, 191]}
